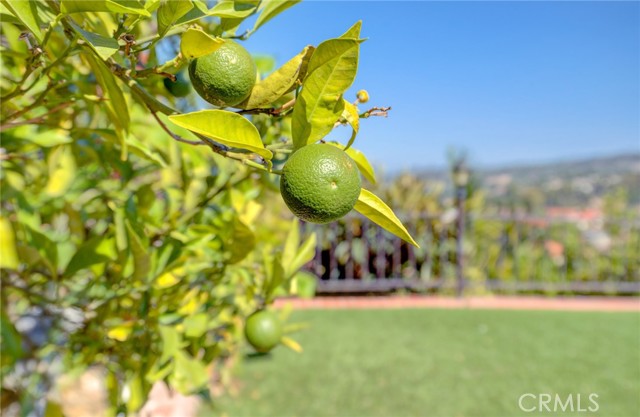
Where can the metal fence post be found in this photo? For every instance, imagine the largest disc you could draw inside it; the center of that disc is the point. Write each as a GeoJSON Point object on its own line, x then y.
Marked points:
{"type": "Point", "coordinates": [462, 193]}
{"type": "Point", "coordinates": [460, 179]}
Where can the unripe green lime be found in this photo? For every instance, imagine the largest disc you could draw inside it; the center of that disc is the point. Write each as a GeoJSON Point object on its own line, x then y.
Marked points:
{"type": "Point", "coordinates": [320, 183]}
{"type": "Point", "coordinates": [181, 87]}
{"type": "Point", "coordinates": [263, 330]}
{"type": "Point", "coordinates": [225, 77]}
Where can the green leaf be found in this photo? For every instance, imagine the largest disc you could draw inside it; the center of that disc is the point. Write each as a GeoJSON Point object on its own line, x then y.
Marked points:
{"type": "Point", "coordinates": [306, 252]}
{"type": "Point", "coordinates": [170, 343]}
{"type": "Point", "coordinates": [353, 32]}
{"type": "Point", "coordinates": [41, 249]}
{"type": "Point", "coordinates": [193, 15]}
{"type": "Point", "coordinates": [304, 284]}
{"type": "Point", "coordinates": [169, 12]}
{"type": "Point", "coordinates": [225, 127]}
{"type": "Point", "coordinates": [270, 9]}
{"type": "Point", "coordinates": [141, 259]}
{"type": "Point", "coordinates": [278, 83]}
{"type": "Point", "coordinates": [27, 13]}
{"type": "Point", "coordinates": [53, 409]}
{"type": "Point", "coordinates": [291, 244]}
{"type": "Point", "coordinates": [189, 375]}
{"type": "Point", "coordinates": [241, 243]}
{"type": "Point", "coordinates": [8, 251]}
{"type": "Point", "coordinates": [119, 111]}
{"type": "Point", "coordinates": [332, 69]}
{"type": "Point", "coordinates": [350, 114]}
{"type": "Point", "coordinates": [196, 325]}
{"type": "Point", "coordinates": [291, 344]}
{"type": "Point", "coordinates": [49, 138]}
{"type": "Point", "coordinates": [361, 161]}
{"type": "Point", "coordinates": [111, 6]}
{"type": "Point", "coordinates": [92, 252]}
{"type": "Point", "coordinates": [103, 46]}
{"type": "Point", "coordinates": [275, 276]}
{"type": "Point", "coordinates": [136, 392]}
{"type": "Point", "coordinates": [232, 9]}
{"type": "Point", "coordinates": [143, 150]}
{"type": "Point", "coordinates": [11, 346]}
{"type": "Point", "coordinates": [265, 63]}
{"type": "Point", "coordinates": [62, 170]}
{"type": "Point", "coordinates": [373, 208]}
{"type": "Point", "coordinates": [196, 43]}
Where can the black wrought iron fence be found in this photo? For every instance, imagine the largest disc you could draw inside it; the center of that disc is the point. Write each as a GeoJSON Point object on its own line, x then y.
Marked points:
{"type": "Point", "coordinates": [465, 253]}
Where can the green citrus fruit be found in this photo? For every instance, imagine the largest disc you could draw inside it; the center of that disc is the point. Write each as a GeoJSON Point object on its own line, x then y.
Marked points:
{"type": "Point", "coordinates": [226, 76]}
{"type": "Point", "coordinates": [263, 330]}
{"type": "Point", "coordinates": [320, 183]}
{"type": "Point", "coordinates": [181, 87]}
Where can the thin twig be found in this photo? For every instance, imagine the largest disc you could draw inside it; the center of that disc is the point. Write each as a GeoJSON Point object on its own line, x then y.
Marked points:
{"type": "Point", "coordinates": [376, 111]}
{"type": "Point", "coordinates": [271, 111]}
{"type": "Point", "coordinates": [39, 119]}
{"type": "Point", "coordinates": [174, 135]}
{"type": "Point", "coordinates": [37, 102]}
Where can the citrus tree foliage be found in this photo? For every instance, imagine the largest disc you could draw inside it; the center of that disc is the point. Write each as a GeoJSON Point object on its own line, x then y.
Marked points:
{"type": "Point", "coordinates": [134, 228]}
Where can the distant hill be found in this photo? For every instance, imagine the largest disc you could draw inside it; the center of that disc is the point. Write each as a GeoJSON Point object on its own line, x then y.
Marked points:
{"type": "Point", "coordinates": [564, 183]}
{"type": "Point", "coordinates": [569, 182]}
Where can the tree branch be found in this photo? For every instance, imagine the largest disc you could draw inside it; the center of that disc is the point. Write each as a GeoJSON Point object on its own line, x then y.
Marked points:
{"type": "Point", "coordinates": [174, 135]}
{"type": "Point", "coordinates": [39, 119]}
{"type": "Point", "coordinates": [37, 102]}
{"type": "Point", "coordinates": [271, 111]}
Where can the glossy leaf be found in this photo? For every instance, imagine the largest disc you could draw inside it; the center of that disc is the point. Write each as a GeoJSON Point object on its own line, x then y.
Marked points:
{"type": "Point", "coordinates": [27, 13]}
{"type": "Point", "coordinates": [332, 69]}
{"type": "Point", "coordinates": [225, 127]}
{"type": "Point", "coordinates": [53, 409]}
{"type": "Point", "coordinates": [196, 325]}
{"type": "Point", "coordinates": [353, 32]}
{"type": "Point", "coordinates": [361, 161]}
{"type": "Point", "coordinates": [189, 375]}
{"type": "Point", "coordinates": [62, 170]}
{"type": "Point", "coordinates": [116, 104]}
{"type": "Point", "coordinates": [94, 251]}
{"type": "Point", "coordinates": [11, 346]}
{"type": "Point", "coordinates": [275, 275]}
{"type": "Point", "coordinates": [143, 150]}
{"type": "Point", "coordinates": [8, 251]}
{"type": "Point", "coordinates": [120, 332]}
{"type": "Point", "coordinates": [270, 9]}
{"type": "Point", "coordinates": [232, 9]}
{"type": "Point", "coordinates": [373, 208]}
{"type": "Point", "coordinates": [169, 12]}
{"type": "Point", "coordinates": [350, 114]}
{"type": "Point", "coordinates": [291, 244]}
{"type": "Point", "coordinates": [277, 84]}
{"type": "Point", "coordinates": [112, 6]}
{"type": "Point", "coordinates": [141, 259]}
{"type": "Point", "coordinates": [196, 43]}
{"type": "Point", "coordinates": [170, 343]}
{"type": "Point", "coordinates": [291, 344]}
{"type": "Point", "coordinates": [198, 12]}
{"type": "Point", "coordinates": [103, 46]}
{"type": "Point", "coordinates": [305, 254]}
{"type": "Point", "coordinates": [304, 284]}
{"type": "Point", "coordinates": [242, 241]}
{"type": "Point", "coordinates": [169, 278]}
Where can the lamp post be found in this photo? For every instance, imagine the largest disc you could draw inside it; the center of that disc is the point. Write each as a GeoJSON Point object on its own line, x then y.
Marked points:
{"type": "Point", "coordinates": [460, 180]}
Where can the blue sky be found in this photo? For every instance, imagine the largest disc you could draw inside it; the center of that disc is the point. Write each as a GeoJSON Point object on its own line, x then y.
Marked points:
{"type": "Point", "coordinates": [510, 82]}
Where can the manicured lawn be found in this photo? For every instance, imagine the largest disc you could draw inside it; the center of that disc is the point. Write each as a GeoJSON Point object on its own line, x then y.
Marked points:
{"type": "Point", "coordinates": [396, 363]}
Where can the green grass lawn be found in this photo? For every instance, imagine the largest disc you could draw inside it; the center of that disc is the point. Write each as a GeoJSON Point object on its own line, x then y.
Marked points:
{"type": "Point", "coordinates": [396, 363]}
